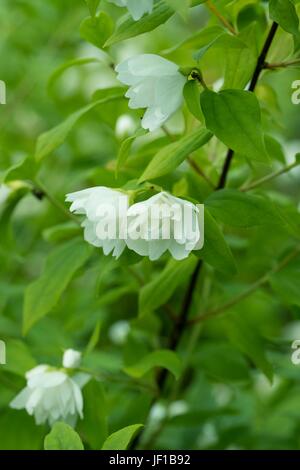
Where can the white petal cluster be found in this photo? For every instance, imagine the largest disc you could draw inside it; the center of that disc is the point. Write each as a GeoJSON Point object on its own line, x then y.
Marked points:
{"type": "Point", "coordinates": [156, 84]}
{"type": "Point", "coordinates": [150, 228]}
{"type": "Point", "coordinates": [174, 227]}
{"type": "Point", "coordinates": [101, 206]}
{"type": "Point", "coordinates": [137, 8]}
{"type": "Point", "coordinates": [51, 394]}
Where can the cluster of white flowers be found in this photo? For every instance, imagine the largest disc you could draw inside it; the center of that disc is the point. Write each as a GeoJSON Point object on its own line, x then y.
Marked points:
{"type": "Point", "coordinates": [150, 228]}
{"type": "Point", "coordinates": [53, 394]}
{"type": "Point", "coordinates": [137, 8]}
{"type": "Point", "coordinates": [156, 84]}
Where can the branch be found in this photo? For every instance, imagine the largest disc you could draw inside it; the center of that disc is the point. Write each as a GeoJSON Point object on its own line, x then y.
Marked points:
{"type": "Point", "coordinates": [259, 283]}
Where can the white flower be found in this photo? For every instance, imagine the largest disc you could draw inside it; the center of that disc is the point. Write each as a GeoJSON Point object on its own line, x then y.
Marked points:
{"type": "Point", "coordinates": [137, 8]}
{"type": "Point", "coordinates": [155, 84]}
{"type": "Point", "coordinates": [162, 223]}
{"type": "Point", "coordinates": [105, 211]}
{"type": "Point", "coordinates": [125, 126]}
{"type": "Point", "coordinates": [71, 359]}
{"type": "Point", "coordinates": [52, 395]}
{"type": "Point", "coordinates": [119, 331]}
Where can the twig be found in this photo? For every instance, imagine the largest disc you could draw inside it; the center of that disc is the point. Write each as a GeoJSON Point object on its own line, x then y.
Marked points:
{"type": "Point", "coordinates": [259, 283]}
{"type": "Point", "coordinates": [278, 65]}
{"type": "Point", "coordinates": [219, 15]}
{"type": "Point", "coordinates": [103, 376]}
{"type": "Point", "coordinates": [198, 170]}
{"type": "Point", "coordinates": [269, 177]}
{"type": "Point", "coordinates": [43, 191]}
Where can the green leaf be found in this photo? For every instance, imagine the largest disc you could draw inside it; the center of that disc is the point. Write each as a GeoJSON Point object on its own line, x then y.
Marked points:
{"type": "Point", "coordinates": [126, 147]}
{"type": "Point", "coordinates": [233, 207]}
{"type": "Point", "coordinates": [19, 359]}
{"type": "Point", "coordinates": [63, 437]}
{"type": "Point", "coordinates": [129, 28]}
{"type": "Point", "coordinates": [171, 156]}
{"type": "Point", "coordinates": [121, 439]}
{"type": "Point", "coordinates": [92, 5]}
{"type": "Point", "coordinates": [240, 61]}
{"type": "Point", "coordinates": [94, 424]}
{"type": "Point", "coordinates": [50, 140]}
{"type": "Point", "coordinates": [6, 212]}
{"type": "Point", "coordinates": [162, 358]}
{"type": "Point", "coordinates": [216, 251]}
{"type": "Point", "coordinates": [97, 29]}
{"type": "Point", "coordinates": [223, 362]}
{"type": "Point", "coordinates": [61, 232]}
{"type": "Point", "coordinates": [24, 170]}
{"type": "Point", "coordinates": [284, 13]}
{"type": "Point", "coordinates": [191, 93]}
{"type": "Point", "coordinates": [180, 6]}
{"type": "Point", "coordinates": [201, 38]}
{"type": "Point", "coordinates": [67, 65]}
{"type": "Point", "coordinates": [234, 117]}
{"type": "Point", "coordinates": [43, 294]}
{"type": "Point", "coordinates": [274, 149]}
{"type": "Point", "coordinates": [163, 286]}
{"type": "Point", "coordinates": [94, 338]}
{"type": "Point", "coordinates": [243, 336]}
{"type": "Point", "coordinates": [285, 283]}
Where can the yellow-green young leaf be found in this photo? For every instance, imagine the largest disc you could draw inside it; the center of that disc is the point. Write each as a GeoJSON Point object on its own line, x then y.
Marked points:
{"type": "Point", "coordinates": [216, 251]}
{"type": "Point", "coordinates": [128, 28]}
{"type": "Point", "coordinates": [126, 147]}
{"type": "Point", "coordinates": [232, 207]}
{"type": "Point", "coordinates": [284, 13]}
{"type": "Point", "coordinates": [121, 439]}
{"type": "Point", "coordinates": [234, 117]}
{"type": "Point", "coordinates": [43, 294]}
{"type": "Point", "coordinates": [96, 29]}
{"type": "Point", "coordinates": [286, 283]}
{"type": "Point", "coordinates": [161, 358]}
{"type": "Point", "coordinates": [92, 5]}
{"type": "Point", "coordinates": [171, 156]}
{"type": "Point", "coordinates": [94, 424]}
{"type": "Point", "coordinates": [61, 232]}
{"type": "Point", "coordinates": [159, 291]}
{"type": "Point", "coordinates": [191, 93]}
{"type": "Point", "coordinates": [50, 140]}
{"type": "Point", "coordinates": [181, 6]}
{"type": "Point", "coordinates": [63, 437]}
